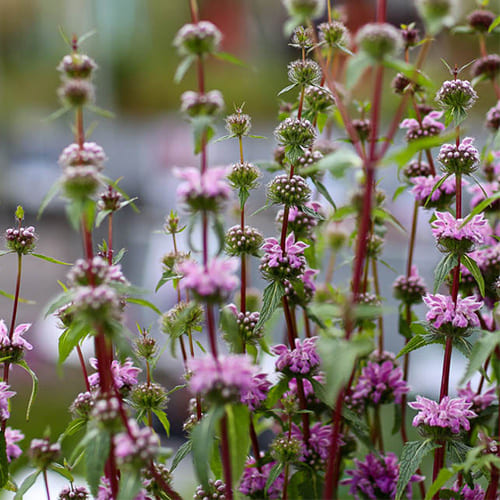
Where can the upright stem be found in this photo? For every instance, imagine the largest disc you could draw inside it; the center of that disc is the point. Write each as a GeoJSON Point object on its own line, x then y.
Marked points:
{"type": "Point", "coordinates": [46, 482]}
{"type": "Point", "coordinates": [226, 458]}
{"type": "Point", "coordinates": [376, 285]}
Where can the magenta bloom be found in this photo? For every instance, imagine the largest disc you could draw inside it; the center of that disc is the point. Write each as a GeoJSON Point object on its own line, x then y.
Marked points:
{"type": "Point", "coordinates": [443, 311]}
{"type": "Point", "coordinates": [214, 283]}
{"type": "Point", "coordinates": [293, 255]}
{"type": "Point", "coordinates": [467, 493]}
{"type": "Point", "coordinates": [207, 191]}
{"type": "Point", "coordinates": [258, 393]}
{"type": "Point", "coordinates": [140, 445]}
{"type": "Point", "coordinates": [123, 375]}
{"type": "Point", "coordinates": [429, 126]}
{"type": "Point", "coordinates": [450, 414]}
{"type": "Point", "coordinates": [479, 401]}
{"type": "Point", "coordinates": [490, 188]}
{"type": "Point", "coordinates": [378, 384]}
{"type": "Point", "coordinates": [228, 377]}
{"type": "Point", "coordinates": [302, 360]}
{"type": "Point", "coordinates": [5, 394]}
{"type": "Point", "coordinates": [17, 339]}
{"type": "Point", "coordinates": [319, 442]}
{"type": "Point", "coordinates": [446, 226]}
{"type": "Point", "coordinates": [253, 482]}
{"type": "Point", "coordinates": [423, 186]}
{"type": "Point", "coordinates": [376, 477]}
{"type": "Point", "coordinates": [12, 436]}
{"type": "Point", "coordinates": [105, 493]}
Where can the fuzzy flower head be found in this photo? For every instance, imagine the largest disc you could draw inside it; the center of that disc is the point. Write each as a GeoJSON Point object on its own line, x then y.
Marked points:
{"type": "Point", "coordinates": [333, 34]}
{"type": "Point", "coordinates": [461, 159]}
{"type": "Point", "coordinates": [14, 348]}
{"type": "Point", "coordinates": [315, 451]}
{"type": "Point", "coordinates": [238, 124]}
{"type": "Point", "coordinates": [42, 453]}
{"type": "Point", "coordinates": [21, 239]}
{"type": "Point", "coordinates": [213, 283]}
{"type": "Point", "coordinates": [451, 319]}
{"type": "Point", "coordinates": [76, 66]}
{"type": "Point", "coordinates": [479, 401]}
{"type": "Point", "coordinates": [96, 272]}
{"type": "Point", "coordinates": [424, 192]}
{"type": "Point", "coordinates": [208, 103]}
{"type": "Point", "coordinates": [207, 191]}
{"type": "Point", "coordinates": [455, 235]}
{"type": "Point", "coordinates": [301, 361]}
{"type": "Point", "coordinates": [295, 136]}
{"type": "Point", "coordinates": [304, 72]}
{"type": "Point", "coordinates": [124, 374]}
{"type": "Point", "coordinates": [441, 419]}
{"type": "Point", "coordinates": [244, 241]}
{"type": "Point", "coordinates": [244, 176]}
{"type": "Point", "coordinates": [300, 292]}
{"type": "Point", "coordinates": [226, 379]}
{"type": "Point", "coordinates": [379, 383]}
{"type": "Point", "coordinates": [379, 40]}
{"type": "Point", "coordinates": [253, 482]}
{"type": "Point", "coordinates": [89, 154]}
{"type": "Point", "coordinates": [376, 477]}
{"type": "Point", "coordinates": [247, 323]}
{"type": "Point", "coordinates": [493, 117]}
{"type": "Point", "coordinates": [80, 181]}
{"type": "Point", "coordinates": [302, 38]}
{"type": "Point", "coordinates": [481, 19]}
{"type": "Point", "coordinates": [304, 9]}
{"type": "Point", "coordinates": [486, 67]}
{"type": "Point", "coordinates": [456, 96]}
{"type": "Point", "coordinates": [198, 39]}
{"type": "Point", "coordinates": [74, 493]}
{"type": "Point", "coordinates": [258, 392]}
{"type": "Point", "coordinates": [97, 305]}
{"type": "Point", "coordinates": [277, 264]}
{"type": "Point", "coordinates": [411, 289]}
{"type": "Point", "coordinates": [140, 446]}
{"type": "Point", "coordinates": [216, 491]}
{"type": "Point", "coordinates": [428, 127]}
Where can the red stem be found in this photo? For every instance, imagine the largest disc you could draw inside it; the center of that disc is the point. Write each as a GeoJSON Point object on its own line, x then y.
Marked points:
{"type": "Point", "coordinates": [46, 481]}
{"type": "Point", "coordinates": [226, 458]}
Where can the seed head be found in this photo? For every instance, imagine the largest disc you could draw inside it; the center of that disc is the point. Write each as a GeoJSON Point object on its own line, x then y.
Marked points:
{"type": "Point", "coordinates": [333, 34]}
{"type": "Point", "coordinates": [481, 20]}
{"type": "Point", "coordinates": [304, 72]}
{"type": "Point", "coordinates": [287, 191]}
{"type": "Point", "coordinates": [196, 104]}
{"type": "Point", "coordinates": [198, 39]}
{"type": "Point", "coordinates": [488, 66]}
{"type": "Point", "coordinates": [238, 124]}
{"type": "Point", "coordinates": [76, 92]}
{"type": "Point", "coordinates": [77, 66]}
{"type": "Point", "coordinates": [379, 40]}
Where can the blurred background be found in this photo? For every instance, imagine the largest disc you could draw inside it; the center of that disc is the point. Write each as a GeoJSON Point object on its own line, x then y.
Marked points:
{"type": "Point", "coordinates": [148, 136]}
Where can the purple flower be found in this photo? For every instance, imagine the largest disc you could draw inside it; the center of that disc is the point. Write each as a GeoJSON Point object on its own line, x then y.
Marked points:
{"type": "Point", "coordinates": [423, 186]}
{"type": "Point", "coordinates": [466, 493]}
{"type": "Point", "coordinates": [493, 117]}
{"type": "Point", "coordinates": [446, 227]}
{"type": "Point", "coordinates": [214, 282]}
{"type": "Point", "coordinates": [479, 401]}
{"type": "Point", "coordinates": [207, 191]}
{"type": "Point", "coordinates": [17, 339]}
{"type": "Point", "coordinates": [490, 188]}
{"type": "Point", "coordinates": [429, 126]}
{"type": "Point", "coordinates": [12, 436]}
{"type": "Point", "coordinates": [461, 158]}
{"type": "Point", "coordinates": [379, 383]}
{"type": "Point", "coordinates": [89, 154]}
{"type": "Point", "coordinates": [293, 251]}
{"type": "Point", "coordinates": [254, 481]}
{"type": "Point", "coordinates": [124, 375]}
{"type": "Point", "coordinates": [442, 311]}
{"type": "Point", "coordinates": [410, 289]}
{"type": "Point", "coordinates": [258, 392]}
{"type": "Point", "coordinates": [302, 360]}
{"type": "Point", "coordinates": [228, 377]}
{"type": "Point", "coordinates": [105, 493]}
{"type": "Point", "coordinates": [450, 414]}
{"type": "Point", "coordinates": [376, 477]}
{"type": "Point", "coordinates": [319, 442]}
{"type": "Point", "coordinates": [5, 394]}
{"type": "Point", "coordinates": [456, 94]}
{"type": "Point", "coordinates": [137, 444]}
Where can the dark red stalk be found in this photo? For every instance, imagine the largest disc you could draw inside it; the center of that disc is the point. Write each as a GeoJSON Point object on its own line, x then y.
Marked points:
{"type": "Point", "coordinates": [172, 494]}
{"type": "Point", "coordinates": [226, 458]}
{"type": "Point", "coordinates": [492, 491]}
{"type": "Point", "coordinates": [46, 482]}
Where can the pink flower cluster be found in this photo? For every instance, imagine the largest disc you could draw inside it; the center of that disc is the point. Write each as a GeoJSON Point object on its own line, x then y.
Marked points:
{"type": "Point", "coordinates": [479, 401]}
{"type": "Point", "coordinates": [124, 375]}
{"type": "Point", "coordinates": [253, 481]}
{"type": "Point", "coordinates": [229, 377]}
{"type": "Point", "coordinates": [213, 282]}
{"type": "Point", "coordinates": [319, 442]}
{"type": "Point", "coordinates": [423, 186]}
{"type": "Point", "coordinates": [17, 340]}
{"type": "Point", "coordinates": [302, 360]}
{"type": "Point", "coordinates": [257, 393]}
{"type": "Point", "coordinates": [442, 310]}
{"type": "Point", "coordinates": [137, 444]}
{"type": "Point", "coordinates": [293, 255]}
{"type": "Point", "coordinates": [429, 126]}
{"type": "Point", "coordinates": [447, 226]}
{"type": "Point", "coordinates": [379, 383]}
{"type": "Point", "coordinates": [453, 414]}
{"type": "Point", "coordinates": [5, 394]}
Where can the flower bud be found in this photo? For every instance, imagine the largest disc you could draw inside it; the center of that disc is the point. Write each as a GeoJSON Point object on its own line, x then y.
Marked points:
{"type": "Point", "coordinates": [76, 92]}
{"type": "Point", "coordinates": [77, 66]}
{"type": "Point", "coordinates": [82, 405]}
{"type": "Point", "coordinates": [481, 20]}
{"type": "Point", "coordinates": [244, 176]}
{"type": "Point", "coordinates": [379, 40]}
{"type": "Point", "coordinates": [456, 95]}
{"type": "Point", "coordinates": [363, 128]}
{"type": "Point", "coordinates": [216, 491]}
{"type": "Point", "coordinates": [318, 99]}
{"type": "Point", "coordinates": [333, 34]}
{"type": "Point", "coordinates": [417, 168]}
{"type": "Point", "coordinates": [302, 38]}
{"type": "Point", "coordinates": [295, 135]}
{"type": "Point", "coordinates": [461, 159]}
{"type": "Point", "coordinates": [149, 396]}
{"type": "Point", "coordinates": [238, 124]}
{"type": "Point", "coordinates": [304, 72]}
{"type": "Point", "coordinates": [74, 493]}
{"type": "Point", "coordinates": [198, 39]}
{"type": "Point", "coordinates": [109, 200]}
{"type": "Point", "coordinates": [241, 242]}
{"type": "Point", "coordinates": [493, 117]}
{"type": "Point", "coordinates": [487, 66]}
{"type": "Point", "coordinates": [196, 104]}
{"type": "Point", "coordinates": [290, 192]}
{"type": "Point", "coordinates": [286, 450]}
{"type": "Point", "coordinates": [42, 453]}
{"type": "Point", "coordinates": [21, 240]}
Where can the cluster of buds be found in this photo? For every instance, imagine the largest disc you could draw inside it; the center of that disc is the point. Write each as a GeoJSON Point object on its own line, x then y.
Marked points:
{"type": "Point", "coordinates": [456, 95]}
{"type": "Point", "coordinates": [149, 396]}
{"type": "Point", "coordinates": [287, 450]}
{"type": "Point", "coordinates": [411, 289]}
{"type": "Point", "coordinates": [42, 453]}
{"type": "Point", "coordinates": [109, 200]}
{"type": "Point", "coordinates": [82, 405]}
{"type": "Point", "coordinates": [379, 40]}
{"type": "Point", "coordinates": [304, 72]}
{"type": "Point", "coordinates": [363, 128]}
{"type": "Point", "coordinates": [238, 124]}
{"type": "Point", "coordinates": [76, 89]}
{"type": "Point", "coordinates": [277, 264]}
{"type": "Point", "coordinates": [487, 67]}
{"type": "Point", "coordinates": [95, 272]}
{"type": "Point", "coordinates": [243, 176]}
{"type": "Point", "coordinates": [106, 411]}
{"type": "Point", "coordinates": [146, 346]}
{"type": "Point", "coordinates": [196, 103]}
{"type": "Point", "coordinates": [74, 493]}
{"type": "Point", "coordinates": [137, 445]}
{"type": "Point", "coordinates": [417, 168]}
{"type": "Point", "coordinates": [199, 39]}
{"type": "Point", "coordinates": [427, 127]}
{"type": "Point", "coordinates": [295, 136]}
{"type": "Point", "coordinates": [493, 117]}
{"type": "Point", "coordinates": [191, 313]}
{"type": "Point", "coordinates": [216, 491]}
{"type": "Point", "coordinates": [459, 159]}
{"type": "Point", "coordinates": [333, 34]}
{"type": "Point", "coordinates": [301, 223]}
{"type": "Point", "coordinates": [21, 239]}
{"type": "Point", "coordinates": [247, 322]}
{"type": "Point", "coordinates": [481, 19]}
{"type": "Point", "coordinates": [302, 38]}
{"type": "Point", "coordinates": [318, 99]}
{"type": "Point", "coordinates": [289, 191]}
{"type": "Point", "coordinates": [244, 241]}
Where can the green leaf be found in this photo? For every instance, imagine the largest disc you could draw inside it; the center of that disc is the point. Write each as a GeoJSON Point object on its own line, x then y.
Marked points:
{"type": "Point", "coordinates": [481, 206]}
{"type": "Point", "coordinates": [238, 422]}
{"type": "Point", "coordinates": [435, 187]}
{"type": "Point", "coordinates": [231, 329]}
{"type": "Point", "coordinates": [480, 353]}
{"type": "Point", "coordinates": [345, 354]}
{"type": "Point", "coordinates": [181, 70]}
{"type": "Point", "coordinates": [50, 259]}
{"type": "Point", "coordinates": [130, 485]}
{"type": "Point", "coordinates": [443, 477]}
{"type": "Point", "coordinates": [387, 216]}
{"type": "Point", "coordinates": [408, 70]}
{"type": "Point", "coordinates": [276, 392]}
{"type": "Point", "coordinates": [287, 89]}
{"type": "Point", "coordinates": [105, 113]}
{"type": "Point", "coordinates": [273, 474]}
{"type": "Point", "coordinates": [203, 436]}
{"type": "Point", "coordinates": [343, 212]}
{"type": "Point", "coordinates": [324, 192]}
{"type": "Point", "coordinates": [96, 454]}
{"type": "Point", "coordinates": [271, 299]}
{"type": "Point", "coordinates": [145, 303]}
{"type": "Point", "coordinates": [358, 427]}
{"type": "Point", "coordinates": [12, 297]}
{"type": "Point", "coordinates": [446, 264]}
{"type": "Point", "coordinates": [62, 471]}
{"type": "Point", "coordinates": [61, 300]}
{"type": "Point", "coordinates": [202, 131]}
{"type": "Point", "coordinates": [4, 463]}
{"type": "Point", "coordinates": [321, 120]}
{"type": "Point", "coordinates": [101, 216]}
{"type": "Point", "coordinates": [162, 417]}
{"type": "Point", "coordinates": [243, 195]}
{"type": "Point", "coordinates": [472, 266]}
{"type": "Point", "coordinates": [225, 56]}
{"type": "Point", "coordinates": [19, 214]}
{"type": "Point", "coordinates": [34, 386]}
{"type": "Point", "coordinates": [356, 66]}
{"type": "Point", "coordinates": [337, 163]}
{"type": "Point", "coordinates": [28, 482]}
{"type": "Point", "coordinates": [182, 452]}
{"type": "Point", "coordinates": [411, 457]}
{"type": "Point", "coordinates": [494, 24]}
{"type": "Point", "coordinates": [70, 338]}
{"type": "Point", "coordinates": [403, 326]}
{"type": "Point", "coordinates": [166, 277]}
{"type": "Point", "coordinates": [416, 343]}
{"type": "Point", "coordinates": [399, 191]}
{"type": "Point", "coordinates": [73, 427]}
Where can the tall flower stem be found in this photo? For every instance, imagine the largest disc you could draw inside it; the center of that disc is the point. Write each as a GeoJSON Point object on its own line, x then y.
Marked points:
{"type": "Point", "coordinates": [226, 458]}
{"type": "Point", "coordinates": [46, 482]}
